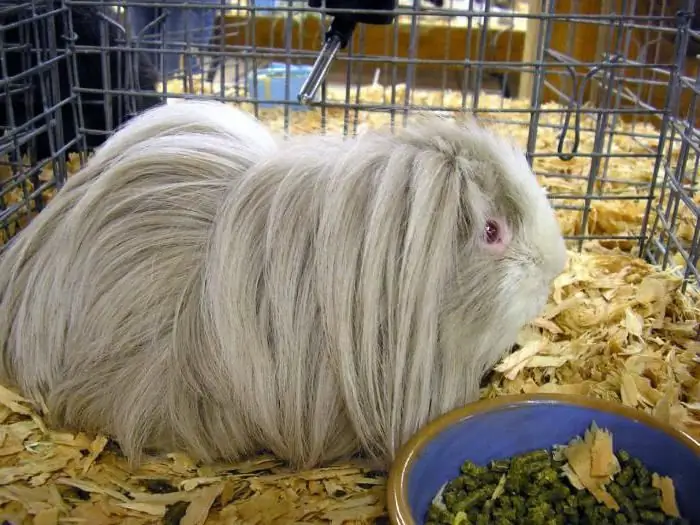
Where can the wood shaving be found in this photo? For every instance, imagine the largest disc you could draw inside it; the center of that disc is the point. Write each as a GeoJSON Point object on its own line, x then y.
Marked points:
{"type": "Point", "coordinates": [668, 494]}
{"type": "Point", "coordinates": [594, 464]}
{"type": "Point", "coordinates": [603, 460]}
{"type": "Point", "coordinates": [615, 328]}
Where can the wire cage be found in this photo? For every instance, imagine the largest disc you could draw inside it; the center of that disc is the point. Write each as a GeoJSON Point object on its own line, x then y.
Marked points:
{"type": "Point", "coordinates": [602, 95]}
{"type": "Point", "coordinates": [31, 106]}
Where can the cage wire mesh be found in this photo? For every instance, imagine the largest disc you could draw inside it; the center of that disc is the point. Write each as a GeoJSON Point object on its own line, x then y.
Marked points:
{"type": "Point", "coordinates": [31, 104]}
{"type": "Point", "coordinates": [602, 94]}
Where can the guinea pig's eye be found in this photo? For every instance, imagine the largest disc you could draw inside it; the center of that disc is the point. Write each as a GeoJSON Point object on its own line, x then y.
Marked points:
{"type": "Point", "coordinates": [492, 233]}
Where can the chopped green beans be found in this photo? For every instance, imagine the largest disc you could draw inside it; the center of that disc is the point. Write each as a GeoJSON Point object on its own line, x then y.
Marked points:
{"type": "Point", "coordinates": [531, 489]}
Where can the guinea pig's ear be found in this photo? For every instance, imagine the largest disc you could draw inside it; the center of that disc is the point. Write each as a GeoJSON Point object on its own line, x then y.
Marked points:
{"type": "Point", "coordinates": [467, 218]}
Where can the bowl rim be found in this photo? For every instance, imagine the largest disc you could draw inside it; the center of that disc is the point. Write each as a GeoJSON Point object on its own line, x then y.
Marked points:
{"type": "Point", "coordinates": [397, 500]}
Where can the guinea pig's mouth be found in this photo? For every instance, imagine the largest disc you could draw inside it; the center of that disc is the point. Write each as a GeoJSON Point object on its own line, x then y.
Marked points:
{"type": "Point", "coordinates": [539, 298]}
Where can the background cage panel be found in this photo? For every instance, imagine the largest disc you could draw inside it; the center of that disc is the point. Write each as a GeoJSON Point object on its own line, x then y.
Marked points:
{"type": "Point", "coordinates": [32, 56]}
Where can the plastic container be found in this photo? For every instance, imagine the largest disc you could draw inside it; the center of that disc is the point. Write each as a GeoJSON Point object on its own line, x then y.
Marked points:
{"type": "Point", "coordinates": [271, 85]}
{"type": "Point", "coordinates": [259, 6]}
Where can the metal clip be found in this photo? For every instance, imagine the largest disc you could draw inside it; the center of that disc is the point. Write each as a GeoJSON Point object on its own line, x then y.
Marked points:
{"type": "Point", "coordinates": [576, 103]}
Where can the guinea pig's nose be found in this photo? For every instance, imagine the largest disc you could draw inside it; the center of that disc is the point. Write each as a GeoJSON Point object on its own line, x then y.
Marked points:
{"type": "Point", "coordinates": [558, 258]}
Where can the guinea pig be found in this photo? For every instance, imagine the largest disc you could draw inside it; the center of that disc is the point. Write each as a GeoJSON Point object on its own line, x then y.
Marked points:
{"type": "Point", "coordinates": [204, 286]}
{"type": "Point", "coordinates": [28, 101]}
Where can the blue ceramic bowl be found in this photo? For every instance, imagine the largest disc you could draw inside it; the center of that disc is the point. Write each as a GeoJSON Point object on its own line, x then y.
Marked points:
{"type": "Point", "coordinates": [511, 425]}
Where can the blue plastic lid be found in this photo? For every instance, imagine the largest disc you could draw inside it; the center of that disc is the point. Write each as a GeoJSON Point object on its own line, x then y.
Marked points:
{"type": "Point", "coordinates": [280, 69]}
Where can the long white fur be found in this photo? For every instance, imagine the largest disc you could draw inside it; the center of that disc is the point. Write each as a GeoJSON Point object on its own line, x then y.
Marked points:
{"type": "Point", "coordinates": [201, 285]}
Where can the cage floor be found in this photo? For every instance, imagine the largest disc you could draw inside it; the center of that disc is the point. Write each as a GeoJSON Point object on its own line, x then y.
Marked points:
{"type": "Point", "coordinates": [615, 328]}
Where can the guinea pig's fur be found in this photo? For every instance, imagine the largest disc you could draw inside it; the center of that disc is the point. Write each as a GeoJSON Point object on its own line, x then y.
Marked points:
{"type": "Point", "coordinates": [204, 286]}
{"type": "Point", "coordinates": [88, 26]}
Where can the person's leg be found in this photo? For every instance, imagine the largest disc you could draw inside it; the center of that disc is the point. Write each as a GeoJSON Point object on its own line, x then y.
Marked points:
{"type": "Point", "coordinates": [187, 30]}
{"type": "Point", "coordinates": [138, 18]}
{"type": "Point", "coordinates": [202, 37]}
{"type": "Point", "coordinates": [174, 38]}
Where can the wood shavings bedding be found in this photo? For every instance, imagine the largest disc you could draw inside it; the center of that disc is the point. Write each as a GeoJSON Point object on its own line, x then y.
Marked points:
{"type": "Point", "coordinates": [615, 328]}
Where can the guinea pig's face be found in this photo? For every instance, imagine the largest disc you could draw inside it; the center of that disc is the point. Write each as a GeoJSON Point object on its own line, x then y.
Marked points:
{"type": "Point", "coordinates": [515, 248]}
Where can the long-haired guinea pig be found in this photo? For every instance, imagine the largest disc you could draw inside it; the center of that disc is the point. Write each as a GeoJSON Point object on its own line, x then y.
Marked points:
{"type": "Point", "coordinates": [38, 81]}
{"type": "Point", "coordinates": [206, 287]}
